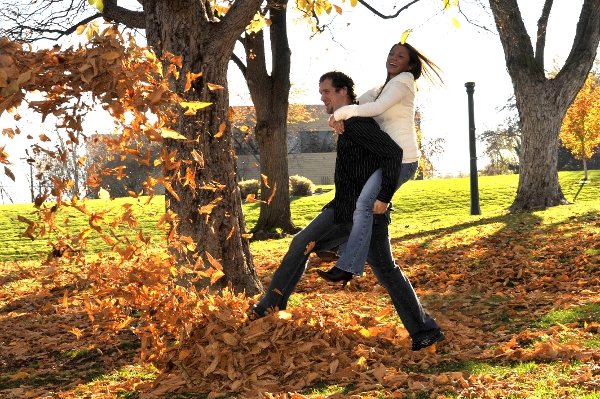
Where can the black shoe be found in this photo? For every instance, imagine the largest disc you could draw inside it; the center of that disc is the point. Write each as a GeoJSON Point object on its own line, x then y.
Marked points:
{"type": "Point", "coordinates": [256, 313]}
{"type": "Point", "coordinates": [436, 336]}
{"type": "Point", "coordinates": [335, 274]}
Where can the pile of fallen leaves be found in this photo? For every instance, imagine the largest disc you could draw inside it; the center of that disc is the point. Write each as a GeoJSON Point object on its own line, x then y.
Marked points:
{"type": "Point", "coordinates": [486, 290]}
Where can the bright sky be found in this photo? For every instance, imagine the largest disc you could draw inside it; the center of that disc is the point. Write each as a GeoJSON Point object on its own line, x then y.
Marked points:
{"type": "Point", "coordinates": [358, 43]}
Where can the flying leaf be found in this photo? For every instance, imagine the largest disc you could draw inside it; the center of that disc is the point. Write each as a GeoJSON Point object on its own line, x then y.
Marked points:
{"type": "Point", "coordinates": [222, 127]}
{"type": "Point", "coordinates": [212, 86]}
{"type": "Point", "coordinates": [190, 77]}
{"type": "Point", "coordinates": [171, 134]}
{"type": "Point", "coordinates": [9, 173]}
{"type": "Point", "coordinates": [103, 194]}
{"type": "Point", "coordinates": [272, 194]}
{"type": "Point", "coordinates": [455, 22]}
{"type": "Point", "coordinates": [193, 106]}
{"type": "Point", "coordinates": [80, 29]}
{"type": "Point", "coordinates": [338, 9]}
{"type": "Point", "coordinates": [405, 36]}
{"type": "Point", "coordinates": [265, 180]}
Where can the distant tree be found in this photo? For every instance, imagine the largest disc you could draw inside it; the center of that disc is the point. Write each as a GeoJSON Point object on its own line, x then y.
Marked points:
{"type": "Point", "coordinates": [502, 149]}
{"type": "Point", "coordinates": [61, 165]}
{"type": "Point", "coordinates": [124, 175]}
{"type": "Point", "coordinates": [430, 149]}
{"type": "Point", "coordinates": [580, 130]}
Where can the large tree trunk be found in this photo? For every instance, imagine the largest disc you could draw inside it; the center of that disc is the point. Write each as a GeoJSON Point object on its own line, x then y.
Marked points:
{"type": "Point", "coordinates": [543, 102]}
{"type": "Point", "coordinates": [204, 193]}
{"type": "Point", "coordinates": [541, 118]}
{"type": "Point", "coordinates": [270, 97]}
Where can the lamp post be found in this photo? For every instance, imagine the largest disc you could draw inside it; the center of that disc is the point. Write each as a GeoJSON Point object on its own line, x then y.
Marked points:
{"type": "Point", "coordinates": [30, 179]}
{"type": "Point", "coordinates": [475, 210]}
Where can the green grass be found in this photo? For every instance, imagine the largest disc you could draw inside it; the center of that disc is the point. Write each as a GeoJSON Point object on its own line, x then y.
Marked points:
{"type": "Point", "coordinates": [580, 314]}
{"type": "Point", "coordinates": [419, 205]}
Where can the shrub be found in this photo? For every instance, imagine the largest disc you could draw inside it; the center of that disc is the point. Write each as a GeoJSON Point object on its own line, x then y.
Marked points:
{"type": "Point", "coordinates": [300, 185]}
{"type": "Point", "coordinates": [249, 187]}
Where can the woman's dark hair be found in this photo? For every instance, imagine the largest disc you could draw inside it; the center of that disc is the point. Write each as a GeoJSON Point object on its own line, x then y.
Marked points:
{"type": "Point", "coordinates": [416, 61]}
{"type": "Point", "coordinates": [339, 80]}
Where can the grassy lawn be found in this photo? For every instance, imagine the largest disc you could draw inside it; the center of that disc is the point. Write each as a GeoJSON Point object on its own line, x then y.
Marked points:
{"type": "Point", "coordinates": [517, 294]}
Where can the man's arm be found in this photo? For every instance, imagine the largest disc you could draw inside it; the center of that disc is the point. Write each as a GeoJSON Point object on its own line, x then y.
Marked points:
{"type": "Point", "coordinates": [366, 133]}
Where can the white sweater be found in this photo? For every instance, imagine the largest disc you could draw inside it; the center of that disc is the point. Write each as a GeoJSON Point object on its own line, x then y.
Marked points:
{"type": "Point", "coordinates": [394, 111]}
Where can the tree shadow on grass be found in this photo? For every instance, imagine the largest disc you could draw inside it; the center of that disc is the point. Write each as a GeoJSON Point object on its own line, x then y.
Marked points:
{"type": "Point", "coordinates": [509, 278]}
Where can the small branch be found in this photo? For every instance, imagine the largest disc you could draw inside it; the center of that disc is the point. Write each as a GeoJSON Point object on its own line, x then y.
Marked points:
{"type": "Point", "coordinates": [380, 15]}
{"type": "Point", "coordinates": [122, 15]}
{"type": "Point", "coordinates": [239, 63]}
{"type": "Point", "coordinates": [540, 43]}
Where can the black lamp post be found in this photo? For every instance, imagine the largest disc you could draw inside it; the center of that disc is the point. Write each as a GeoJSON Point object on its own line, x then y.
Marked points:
{"type": "Point", "coordinates": [475, 210]}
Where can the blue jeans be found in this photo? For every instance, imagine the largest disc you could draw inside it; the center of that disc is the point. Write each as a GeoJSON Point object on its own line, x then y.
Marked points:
{"type": "Point", "coordinates": [353, 254]}
{"type": "Point", "coordinates": [322, 233]}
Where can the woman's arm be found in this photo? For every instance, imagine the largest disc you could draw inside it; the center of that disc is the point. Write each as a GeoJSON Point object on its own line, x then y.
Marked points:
{"type": "Point", "coordinates": [368, 97]}
{"type": "Point", "coordinates": [396, 91]}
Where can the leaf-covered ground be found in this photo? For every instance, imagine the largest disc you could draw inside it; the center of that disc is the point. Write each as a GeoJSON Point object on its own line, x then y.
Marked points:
{"type": "Point", "coordinates": [518, 297]}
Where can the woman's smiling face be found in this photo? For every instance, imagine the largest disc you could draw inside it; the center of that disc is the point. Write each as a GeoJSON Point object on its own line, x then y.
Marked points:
{"type": "Point", "coordinates": [398, 61]}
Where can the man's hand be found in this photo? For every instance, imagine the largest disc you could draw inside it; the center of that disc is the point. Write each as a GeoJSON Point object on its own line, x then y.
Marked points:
{"type": "Point", "coordinates": [380, 207]}
{"type": "Point", "coordinates": [338, 126]}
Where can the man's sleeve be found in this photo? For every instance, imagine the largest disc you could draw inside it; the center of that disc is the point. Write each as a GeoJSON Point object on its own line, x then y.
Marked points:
{"type": "Point", "coordinates": [366, 133]}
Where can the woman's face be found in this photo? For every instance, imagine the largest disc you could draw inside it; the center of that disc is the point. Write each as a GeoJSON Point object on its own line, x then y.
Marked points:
{"type": "Point", "coordinates": [398, 61]}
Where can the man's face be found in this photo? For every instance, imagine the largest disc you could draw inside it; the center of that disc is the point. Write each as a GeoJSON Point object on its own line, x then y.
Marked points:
{"type": "Point", "coordinates": [331, 98]}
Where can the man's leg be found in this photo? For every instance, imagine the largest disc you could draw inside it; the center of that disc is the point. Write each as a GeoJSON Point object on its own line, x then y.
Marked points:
{"type": "Point", "coordinates": [320, 233]}
{"type": "Point", "coordinates": [419, 324]}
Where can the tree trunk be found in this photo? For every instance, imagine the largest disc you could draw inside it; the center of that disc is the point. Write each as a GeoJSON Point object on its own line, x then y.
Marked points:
{"type": "Point", "coordinates": [585, 174]}
{"type": "Point", "coordinates": [541, 118]}
{"type": "Point", "coordinates": [543, 102]}
{"type": "Point", "coordinates": [270, 96]}
{"type": "Point", "coordinates": [204, 194]}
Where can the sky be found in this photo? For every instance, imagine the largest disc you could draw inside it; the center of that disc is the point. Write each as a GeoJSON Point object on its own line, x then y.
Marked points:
{"type": "Point", "coordinates": [357, 43]}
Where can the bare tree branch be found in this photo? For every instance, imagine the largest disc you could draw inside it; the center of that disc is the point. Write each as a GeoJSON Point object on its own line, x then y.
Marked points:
{"type": "Point", "coordinates": [28, 21]}
{"type": "Point", "coordinates": [239, 63]}
{"type": "Point", "coordinates": [131, 19]}
{"type": "Point", "coordinates": [381, 15]}
{"type": "Point", "coordinates": [540, 43]}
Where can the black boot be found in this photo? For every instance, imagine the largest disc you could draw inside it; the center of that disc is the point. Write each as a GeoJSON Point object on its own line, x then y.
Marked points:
{"type": "Point", "coordinates": [335, 274]}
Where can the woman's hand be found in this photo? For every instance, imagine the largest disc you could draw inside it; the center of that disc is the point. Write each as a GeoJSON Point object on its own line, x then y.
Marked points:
{"type": "Point", "coordinates": [380, 207]}
{"type": "Point", "coordinates": [338, 126]}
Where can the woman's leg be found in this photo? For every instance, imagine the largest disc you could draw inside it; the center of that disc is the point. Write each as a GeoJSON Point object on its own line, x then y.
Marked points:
{"type": "Point", "coordinates": [354, 254]}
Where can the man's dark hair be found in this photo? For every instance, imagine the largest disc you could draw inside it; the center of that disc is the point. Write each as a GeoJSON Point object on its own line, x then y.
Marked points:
{"type": "Point", "coordinates": [339, 80]}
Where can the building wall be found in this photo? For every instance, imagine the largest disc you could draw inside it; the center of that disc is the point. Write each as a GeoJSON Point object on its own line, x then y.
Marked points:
{"type": "Point", "coordinates": [318, 167]}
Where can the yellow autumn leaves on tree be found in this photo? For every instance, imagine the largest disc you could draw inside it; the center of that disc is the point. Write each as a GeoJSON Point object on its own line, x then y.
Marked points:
{"type": "Point", "coordinates": [580, 130]}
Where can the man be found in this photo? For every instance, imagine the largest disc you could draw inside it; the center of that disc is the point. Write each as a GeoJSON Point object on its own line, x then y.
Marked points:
{"type": "Point", "coordinates": [361, 150]}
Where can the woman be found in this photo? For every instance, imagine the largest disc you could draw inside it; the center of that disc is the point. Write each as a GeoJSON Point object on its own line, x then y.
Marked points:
{"type": "Point", "coordinates": [392, 106]}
